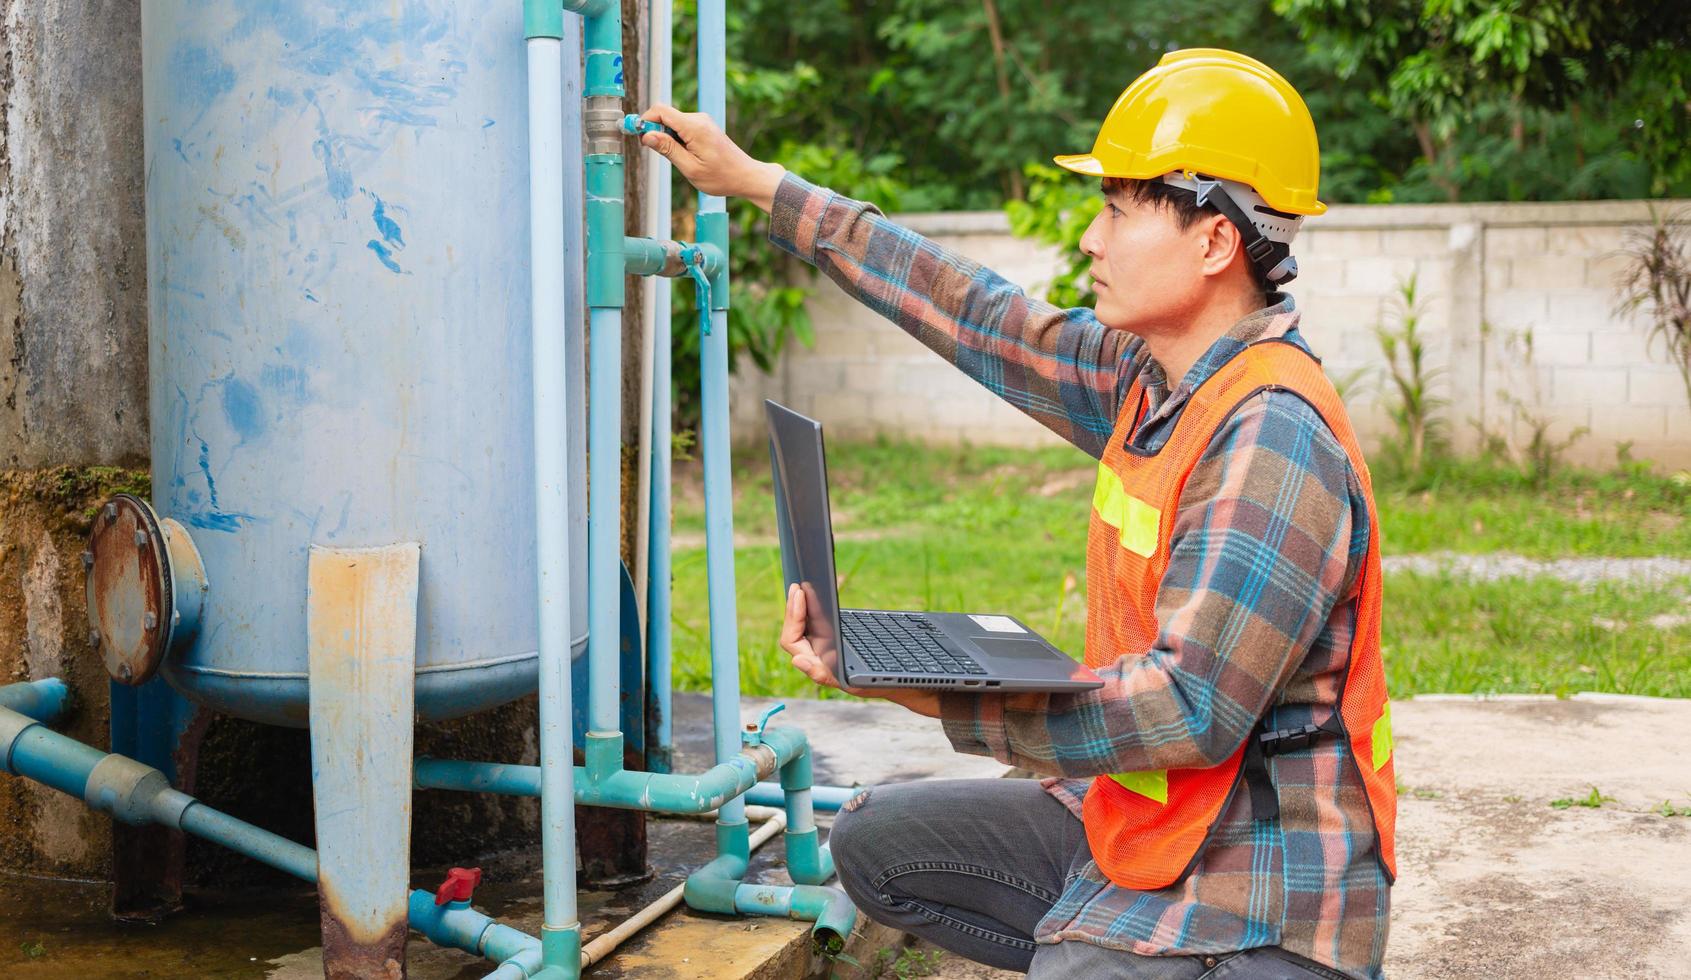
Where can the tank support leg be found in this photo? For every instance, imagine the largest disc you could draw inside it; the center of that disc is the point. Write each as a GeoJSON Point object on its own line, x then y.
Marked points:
{"type": "Point", "coordinates": [361, 624]}
{"type": "Point", "coordinates": [158, 727]}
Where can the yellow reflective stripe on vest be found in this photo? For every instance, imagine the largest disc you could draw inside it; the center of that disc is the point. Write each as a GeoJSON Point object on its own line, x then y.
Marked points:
{"type": "Point", "coordinates": [1153, 785]}
{"type": "Point", "coordinates": [1137, 520]}
{"type": "Point", "coordinates": [1383, 737]}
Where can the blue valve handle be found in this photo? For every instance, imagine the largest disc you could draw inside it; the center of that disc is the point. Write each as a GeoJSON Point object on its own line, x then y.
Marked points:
{"type": "Point", "coordinates": [633, 125]}
{"type": "Point", "coordinates": [754, 736]}
{"type": "Point", "coordinates": [694, 258]}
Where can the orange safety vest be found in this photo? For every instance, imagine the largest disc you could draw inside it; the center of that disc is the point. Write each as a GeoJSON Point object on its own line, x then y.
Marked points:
{"type": "Point", "coordinates": [1148, 829]}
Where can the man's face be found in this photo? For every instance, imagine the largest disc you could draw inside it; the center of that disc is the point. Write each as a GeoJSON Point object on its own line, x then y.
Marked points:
{"type": "Point", "coordinates": [1147, 271]}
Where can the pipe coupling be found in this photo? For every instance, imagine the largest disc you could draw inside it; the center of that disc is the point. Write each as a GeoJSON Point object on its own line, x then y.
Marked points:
{"type": "Point", "coordinates": [762, 756]}
{"type": "Point", "coordinates": [12, 725]}
{"type": "Point", "coordinates": [601, 119]}
{"type": "Point", "coordinates": [124, 788]}
{"type": "Point", "coordinates": [674, 264]}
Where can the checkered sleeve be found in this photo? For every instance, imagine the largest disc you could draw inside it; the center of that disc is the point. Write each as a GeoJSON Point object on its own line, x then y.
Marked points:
{"type": "Point", "coordinates": [1062, 367]}
{"type": "Point", "coordinates": [1264, 547]}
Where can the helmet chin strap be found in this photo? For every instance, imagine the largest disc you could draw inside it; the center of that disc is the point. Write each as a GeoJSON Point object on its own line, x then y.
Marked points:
{"type": "Point", "coordinates": [1273, 258]}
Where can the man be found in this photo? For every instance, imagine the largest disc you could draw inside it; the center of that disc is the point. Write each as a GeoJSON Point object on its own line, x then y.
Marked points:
{"type": "Point", "coordinates": [1224, 805]}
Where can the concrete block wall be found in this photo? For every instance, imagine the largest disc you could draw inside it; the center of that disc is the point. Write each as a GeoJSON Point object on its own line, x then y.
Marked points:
{"type": "Point", "coordinates": [1484, 274]}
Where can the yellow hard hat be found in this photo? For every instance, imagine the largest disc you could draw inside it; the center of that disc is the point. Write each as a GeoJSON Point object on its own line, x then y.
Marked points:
{"type": "Point", "coordinates": [1217, 113]}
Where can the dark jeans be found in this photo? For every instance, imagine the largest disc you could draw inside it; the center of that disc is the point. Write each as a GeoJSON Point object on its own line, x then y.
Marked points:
{"type": "Point", "coordinates": [972, 865]}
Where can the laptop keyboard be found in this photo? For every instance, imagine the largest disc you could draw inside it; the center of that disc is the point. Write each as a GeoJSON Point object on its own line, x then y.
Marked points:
{"type": "Point", "coordinates": [902, 643]}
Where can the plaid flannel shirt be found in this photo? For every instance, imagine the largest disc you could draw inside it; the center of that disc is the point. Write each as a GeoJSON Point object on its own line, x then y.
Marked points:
{"type": "Point", "coordinates": [1256, 607]}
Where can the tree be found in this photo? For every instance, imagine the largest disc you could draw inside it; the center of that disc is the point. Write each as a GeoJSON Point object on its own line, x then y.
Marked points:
{"type": "Point", "coordinates": [1483, 83]}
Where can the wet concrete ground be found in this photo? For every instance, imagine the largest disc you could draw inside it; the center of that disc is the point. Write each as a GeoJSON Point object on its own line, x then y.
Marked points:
{"type": "Point", "coordinates": [57, 930]}
{"type": "Point", "coordinates": [1496, 882]}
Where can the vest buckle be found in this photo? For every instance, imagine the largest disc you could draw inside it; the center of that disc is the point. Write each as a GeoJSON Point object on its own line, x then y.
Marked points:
{"type": "Point", "coordinates": [1289, 739]}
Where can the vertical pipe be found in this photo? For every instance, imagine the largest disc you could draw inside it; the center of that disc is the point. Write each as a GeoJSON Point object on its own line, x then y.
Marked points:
{"type": "Point", "coordinates": [575, 318]}
{"type": "Point", "coordinates": [602, 37]}
{"type": "Point", "coordinates": [660, 735]}
{"type": "Point", "coordinates": [719, 504]}
{"type": "Point", "coordinates": [544, 23]}
{"type": "Point", "coordinates": [648, 310]}
{"type": "Point", "coordinates": [604, 457]}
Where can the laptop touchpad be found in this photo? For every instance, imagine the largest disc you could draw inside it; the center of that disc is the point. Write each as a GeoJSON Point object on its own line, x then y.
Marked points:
{"type": "Point", "coordinates": [1013, 649]}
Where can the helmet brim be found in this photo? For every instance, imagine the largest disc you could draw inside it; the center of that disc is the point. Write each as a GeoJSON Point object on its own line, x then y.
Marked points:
{"type": "Point", "coordinates": [1090, 166]}
{"type": "Point", "coordinates": [1081, 163]}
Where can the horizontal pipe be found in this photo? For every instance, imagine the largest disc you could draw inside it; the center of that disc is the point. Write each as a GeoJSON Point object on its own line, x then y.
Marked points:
{"type": "Point", "coordinates": [42, 700]}
{"type": "Point", "coordinates": [826, 798]}
{"type": "Point", "coordinates": [828, 908]}
{"type": "Point", "coordinates": [243, 838]}
{"type": "Point", "coordinates": [605, 944]}
{"type": "Point", "coordinates": [717, 888]}
{"type": "Point", "coordinates": [49, 758]}
{"type": "Point", "coordinates": [663, 257]}
{"type": "Point", "coordinates": [624, 789]}
{"type": "Point", "coordinates": [141, 794]}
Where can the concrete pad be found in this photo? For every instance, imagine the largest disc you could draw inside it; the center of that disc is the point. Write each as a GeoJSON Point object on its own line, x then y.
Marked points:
{"type": "Point", "coordinates": [1494, 881]}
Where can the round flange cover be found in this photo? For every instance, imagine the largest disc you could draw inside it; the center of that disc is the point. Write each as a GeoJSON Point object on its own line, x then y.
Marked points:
{"type": "Point", "coordinates": [129, 589]}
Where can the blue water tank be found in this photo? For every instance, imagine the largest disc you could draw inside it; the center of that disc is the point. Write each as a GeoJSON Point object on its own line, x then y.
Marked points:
{"type": "Point", "coordinates": [337, 251]}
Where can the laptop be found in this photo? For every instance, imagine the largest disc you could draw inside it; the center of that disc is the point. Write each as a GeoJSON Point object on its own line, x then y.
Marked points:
{"type": "Point", "coordinates": [871, 648]}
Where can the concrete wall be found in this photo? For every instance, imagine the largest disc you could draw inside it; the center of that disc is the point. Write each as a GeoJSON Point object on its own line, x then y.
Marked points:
{"type": "Point", "coordinates": [73, 295]}
{"type": "Point", "coordinates": [73, 429]}
{"type": "Point", "coordinates": [1550, 268]}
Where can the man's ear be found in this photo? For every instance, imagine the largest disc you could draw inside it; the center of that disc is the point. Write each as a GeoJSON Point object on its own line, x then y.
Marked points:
{"type": "Point", "coordinates": [1221, 241]}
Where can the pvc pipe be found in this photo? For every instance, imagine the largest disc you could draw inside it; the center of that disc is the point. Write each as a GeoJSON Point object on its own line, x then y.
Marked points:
{"type": "Point", "coordinates": [626, 789]}
{"type": "Point", "coordinates": [243, 838]}
{"type": "Point", "coordinates": [140, 794]}
{"type": "Point", "coordinates": [607, 943]}
{"type": "Point", "coordinates": [656, 212]}
{"type": "Point", "coordinates": [829, 909]}
{"type": "Point", "coordinates": [603, 946]}
{"type": "Point", "coordinates": [719, 517]}
{"type": "Point", "coordinates": [42, 700]}
{"type": "Point", "coordinates": [602, 44]}
{"type": "Point", "coordinates": [575, 310]}
{"type": "Point", "coordinates": [551, 476]}
{"type": "Point", "coordinates": [661, 257]}
{"type": "Point", "coordinates": [660, 737]}
{"type": "Point", "coordinates": [47, 757]}
{"type": "Point", "coordinates": [717, 887]}
{"type": "Point", "coordinates": [642, 431]}
{"type": "Point", "coordinates": [825, 798]}
{"type": "Point", "coordinates": [604, 495]}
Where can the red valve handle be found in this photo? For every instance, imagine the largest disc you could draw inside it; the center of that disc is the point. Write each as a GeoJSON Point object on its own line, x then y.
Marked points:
{"type": "Point", "coordinates": [459, 886]}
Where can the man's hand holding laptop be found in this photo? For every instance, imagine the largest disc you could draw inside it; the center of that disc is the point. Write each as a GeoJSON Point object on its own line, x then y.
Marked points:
{"type": "Point", "coordinates": [797, 645]}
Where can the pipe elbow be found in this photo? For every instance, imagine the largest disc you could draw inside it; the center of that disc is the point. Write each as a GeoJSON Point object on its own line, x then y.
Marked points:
{"type": "Point", "coordinates": [808, 862]}
{"type": "Point", "coordinates": [834, 914]}
{"type": "Point", "coordinates": [787, 743]}
{"type": "Point", "coordinates": [711, 888]}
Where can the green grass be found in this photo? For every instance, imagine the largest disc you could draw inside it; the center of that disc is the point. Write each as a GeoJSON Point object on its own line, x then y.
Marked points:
{"type": "Point", "coordinates": [1005, 529]}
{"type": "Point", "coordinates": [1472, 507]}
{"type": "Point", "coordinates": [1534, 636]}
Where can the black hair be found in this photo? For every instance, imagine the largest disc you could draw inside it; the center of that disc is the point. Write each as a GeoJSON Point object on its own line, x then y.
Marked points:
{"type": "Point", "coordinates": [1182, 202]}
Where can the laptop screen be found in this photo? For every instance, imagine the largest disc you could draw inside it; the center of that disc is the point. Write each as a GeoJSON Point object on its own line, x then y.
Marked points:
{"type": "Point", "coordinates": [804, 526]}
